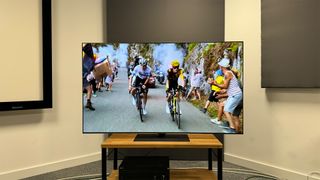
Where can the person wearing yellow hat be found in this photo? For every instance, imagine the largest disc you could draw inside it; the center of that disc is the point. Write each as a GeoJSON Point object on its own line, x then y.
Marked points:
{"type": "Point", "coordinates": [173, 75]}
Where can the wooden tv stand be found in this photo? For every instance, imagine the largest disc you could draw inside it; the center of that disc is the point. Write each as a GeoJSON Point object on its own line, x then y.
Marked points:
{"type": "Point", "coordinates": [197, 141]}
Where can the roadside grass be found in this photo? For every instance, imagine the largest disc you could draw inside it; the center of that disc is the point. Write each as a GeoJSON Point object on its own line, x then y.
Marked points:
{"type": "Point", "coordinates": [212, 111]}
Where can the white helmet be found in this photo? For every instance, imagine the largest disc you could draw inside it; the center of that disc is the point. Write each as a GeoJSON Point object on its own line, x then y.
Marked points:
{"type": "Point", "coordinates": [142, 61]}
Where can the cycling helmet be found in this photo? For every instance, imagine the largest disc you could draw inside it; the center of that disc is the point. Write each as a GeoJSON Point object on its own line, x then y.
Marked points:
{"type": "Point", "coordinates": [175, 63]}
{"type": "Point", "coordinates": [142, 61]}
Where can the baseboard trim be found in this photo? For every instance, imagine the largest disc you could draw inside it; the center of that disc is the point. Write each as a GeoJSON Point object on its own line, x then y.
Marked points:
{"type": "Point", "coordinates": [49, 167]}
{"type": "Point", "coordinates": [282, 173]}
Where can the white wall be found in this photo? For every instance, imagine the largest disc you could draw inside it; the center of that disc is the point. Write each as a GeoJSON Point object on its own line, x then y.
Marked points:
{"type": "Point", "coordinates": [281, 130]}
{"type": "Point", "coordinates": [37, 141]}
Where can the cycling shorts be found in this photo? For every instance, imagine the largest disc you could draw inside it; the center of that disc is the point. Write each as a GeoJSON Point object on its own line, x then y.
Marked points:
{"type": "Point", "coordinates": [136, 82]}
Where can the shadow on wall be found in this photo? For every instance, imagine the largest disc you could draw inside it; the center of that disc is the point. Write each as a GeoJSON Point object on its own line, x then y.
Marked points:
{"type": "Point", "coordinates": [293, 95]}
{"type": "Point", "coordinates": [21, 117]}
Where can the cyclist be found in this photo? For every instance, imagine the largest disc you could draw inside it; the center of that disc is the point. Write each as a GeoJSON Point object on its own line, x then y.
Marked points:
{"type": "Point", "coordinates": [137, 60]}
{"type": "Point", "coordinates": [140, 77]}
{"type": "Point", "coordinates": [130, 69]}
{"type": "Point", "coordinates": [173, 75]}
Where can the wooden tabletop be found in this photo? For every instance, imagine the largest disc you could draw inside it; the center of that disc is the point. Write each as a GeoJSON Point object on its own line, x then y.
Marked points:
{"type": "Point", "coordinates": [125, 140]}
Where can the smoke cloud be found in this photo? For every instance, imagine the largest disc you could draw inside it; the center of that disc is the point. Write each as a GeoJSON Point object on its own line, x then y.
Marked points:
{"type": "Point", "coordinates": [165, 53]}
{"type": "Point", "coordinates": [121, 54]}
{"type": "Point", "coordinates": [162, 53]}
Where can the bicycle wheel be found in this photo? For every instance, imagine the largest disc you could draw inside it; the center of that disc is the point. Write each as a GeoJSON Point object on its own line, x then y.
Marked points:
{"type": "Point", "coordinates": [175, 110]}
{"type": "Point", "coordinates": [139, 105]}
{"type": "Point", "coordinates": [171, 106]}
{"type": "Point", "coordinates": [178, 114]}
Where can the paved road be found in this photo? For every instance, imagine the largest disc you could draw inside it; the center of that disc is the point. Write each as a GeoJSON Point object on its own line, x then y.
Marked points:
{"type": "Point", "coordinates": [115, 113]}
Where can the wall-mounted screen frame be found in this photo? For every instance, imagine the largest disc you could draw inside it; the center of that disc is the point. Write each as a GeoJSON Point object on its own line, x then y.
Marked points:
{"type": "Point", "coordinates": [290, 44]}
{"type": "Point", "coordinates": [46, 101]}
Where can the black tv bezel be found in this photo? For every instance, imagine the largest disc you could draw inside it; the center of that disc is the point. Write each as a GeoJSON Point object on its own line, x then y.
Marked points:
{"type": "Point", "coordinates": [156, 133]}
{"type": "Point", "coordinates": [46, 102]}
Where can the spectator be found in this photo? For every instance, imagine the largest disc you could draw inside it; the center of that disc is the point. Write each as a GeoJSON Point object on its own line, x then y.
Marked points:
{"type": "Point", "coordinates": [222, 97]}
{"type": "Point", "coordinates": [218, 77]}
{"type": "Point", "coordinates": [87, 75]}
{"type": "Point", "coordinates": [234, 93]}
{"type": "Point", "coordinates": [196, 82]}
{"type": "Point", "coordinates": [108, 81]}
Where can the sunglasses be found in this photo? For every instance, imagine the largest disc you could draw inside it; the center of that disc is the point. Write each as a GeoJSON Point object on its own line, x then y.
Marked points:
{"type": "Point", "coordinates": [175, 67]}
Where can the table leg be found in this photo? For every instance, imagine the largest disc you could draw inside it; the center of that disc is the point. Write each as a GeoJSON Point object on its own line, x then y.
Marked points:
{"type": "Point", "coordinates": [115, 159]}
{"type": "Point", "coordinates": [104, 163]}
{"type": "Point", "coordinates": [220, 164]}
{"type": "Point", "coordinates": [210, 159]}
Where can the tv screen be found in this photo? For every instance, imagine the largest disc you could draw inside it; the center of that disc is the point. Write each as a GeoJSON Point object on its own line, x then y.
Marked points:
{"type": "Point", "coordinates": [163, 87]}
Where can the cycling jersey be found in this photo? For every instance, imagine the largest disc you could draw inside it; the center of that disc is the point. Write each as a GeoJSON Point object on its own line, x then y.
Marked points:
{"type": "Point", "coordinates": [142, 74]}
{"type": "Point", "coordinates": [172, 82]}
{"type": "Point", "coordinates": [174, 76]}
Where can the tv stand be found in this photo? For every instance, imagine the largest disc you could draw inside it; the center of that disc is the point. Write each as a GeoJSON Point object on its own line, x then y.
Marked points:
{"type": "Point", "coordinates": [207, 141]}
{"type": "Point", "coordinates": [162, 137]}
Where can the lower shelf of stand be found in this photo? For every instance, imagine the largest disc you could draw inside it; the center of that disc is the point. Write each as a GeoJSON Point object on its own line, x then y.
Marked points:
{"type": "Point", "coordinates": [180, 174]}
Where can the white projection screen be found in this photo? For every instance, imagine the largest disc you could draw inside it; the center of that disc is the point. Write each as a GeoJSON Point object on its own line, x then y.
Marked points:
{"type": "Point", "coordinates": [25, 34]}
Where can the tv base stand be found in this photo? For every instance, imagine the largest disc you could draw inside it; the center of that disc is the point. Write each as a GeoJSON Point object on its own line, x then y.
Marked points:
{"type": "Point", "coordinates": [160, 137]}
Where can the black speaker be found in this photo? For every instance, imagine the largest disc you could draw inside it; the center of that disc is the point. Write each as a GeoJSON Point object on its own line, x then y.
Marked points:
{"type": "Point", "coordinates": [144, 168]}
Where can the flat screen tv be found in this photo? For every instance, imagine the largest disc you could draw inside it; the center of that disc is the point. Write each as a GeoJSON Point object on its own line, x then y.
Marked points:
{"type": "Point", "coordinates": [163, 87]}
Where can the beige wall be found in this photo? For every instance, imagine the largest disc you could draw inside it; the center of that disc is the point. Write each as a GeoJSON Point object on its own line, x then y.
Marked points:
{"type": "Point", "coordinates": [281, 133]}
{"type": "Point", "coordinates": [37, 141]}
{"type": "Point", "coordinates": [281, 130]}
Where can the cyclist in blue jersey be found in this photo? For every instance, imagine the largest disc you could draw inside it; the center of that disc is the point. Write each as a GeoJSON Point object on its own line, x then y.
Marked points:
{"type": "Point", "coordinates": [140, 77]}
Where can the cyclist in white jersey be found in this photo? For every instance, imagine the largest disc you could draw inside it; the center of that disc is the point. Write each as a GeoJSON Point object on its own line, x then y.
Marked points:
{"type": "Point", "coordinates": [234, 94]}
{"type": "Point", "coordinates": [140, 77]}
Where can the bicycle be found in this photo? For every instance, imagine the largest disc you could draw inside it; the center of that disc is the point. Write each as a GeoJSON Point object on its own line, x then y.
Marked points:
{"type": "Point", "coordinates": [174, 106]}
{"type": "Point", "coordinates": [139, 101]}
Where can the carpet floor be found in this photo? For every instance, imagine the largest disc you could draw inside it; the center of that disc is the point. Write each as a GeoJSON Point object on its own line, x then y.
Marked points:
{"type": "Point", "coordinates": [92, 171]}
